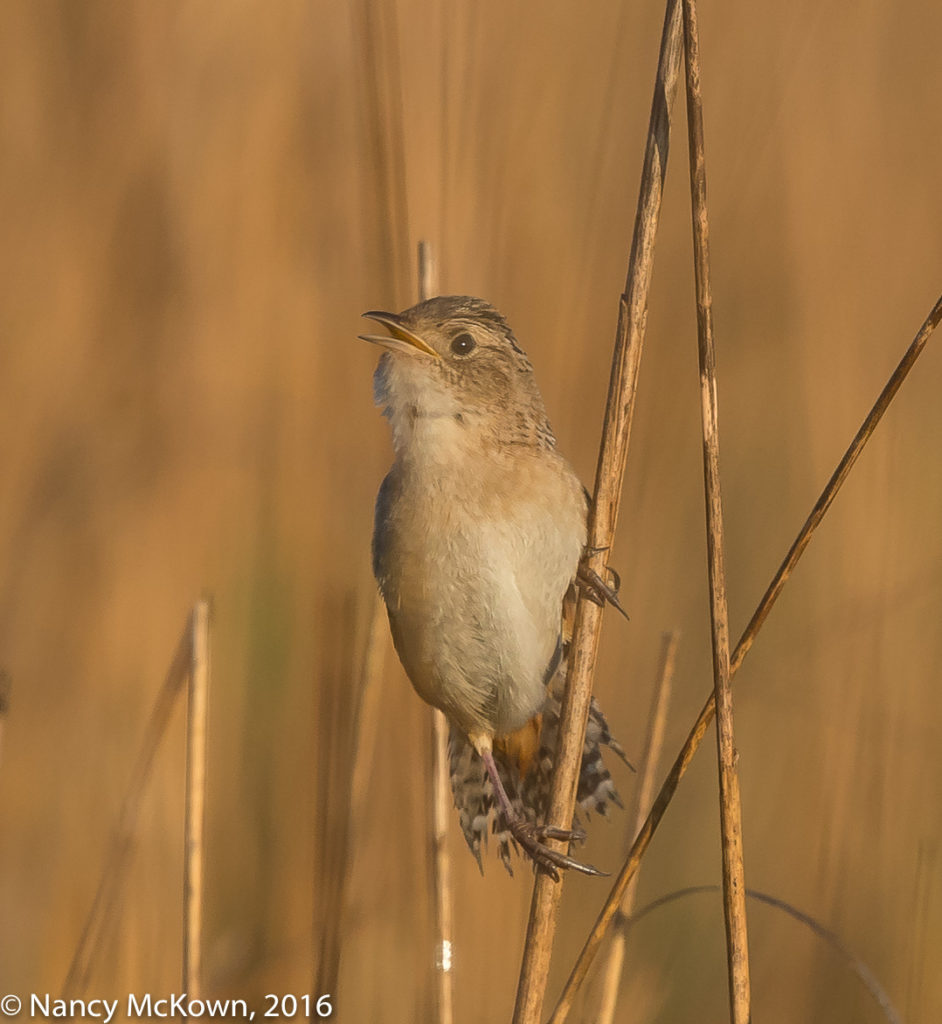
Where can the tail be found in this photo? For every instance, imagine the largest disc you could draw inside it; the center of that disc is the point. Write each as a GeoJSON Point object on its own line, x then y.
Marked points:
{"type": "Point", "coordinates": [528, 779]}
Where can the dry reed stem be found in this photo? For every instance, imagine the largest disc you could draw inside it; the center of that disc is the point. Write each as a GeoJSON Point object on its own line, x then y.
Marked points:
{"type": "Point", "coordinates": [734, 878]}
{"type": "Point", "coordinates": [927, 875]}
{"type": "Point", "coordinates": [197, 716]}
{"type": "Point", "coordinates": [5, 688]}
{"type": "Point", "coordinates": [439, 784]}
{"type": "Point", "coordinates": [338, 728]}
{"type": "Point", "coordinates": [366, 717]}
{"type": "Point", "coordinates": [118, 858]}
{"type": "Point", "coordinates": [632, 317]}
{"type": "Point", "coordinates": [378, 36]}
{"type": "Point", "coordinates": [442, 884]}
{"type": "Point", "coordinates": [654, 742]}
{"type": "Point", "coordinates": [428, 271]}
{"type": "Point", "coordinates": [683, 759]}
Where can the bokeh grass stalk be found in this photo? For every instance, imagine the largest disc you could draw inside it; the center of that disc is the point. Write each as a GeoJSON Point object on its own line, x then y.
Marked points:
{"type": "Point", "coordinates": [653, 745]}
{"type": "Point", "coordinates": [5, 688]}
{"type": "Point", "coordinates": [197, 718]}
{"type": "Point", "coordinates": [118, 859]}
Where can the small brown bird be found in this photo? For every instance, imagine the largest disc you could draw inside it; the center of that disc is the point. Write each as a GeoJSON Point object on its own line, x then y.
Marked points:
{"type": "Point", "coordinates": [480, 529]}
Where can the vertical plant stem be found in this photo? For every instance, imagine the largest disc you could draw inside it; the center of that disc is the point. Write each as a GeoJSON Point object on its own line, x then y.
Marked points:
{"type": "Point", "coordinates": [116, 863]}
{"type": "Point", "coordinates": [345, 718]}
{"type": "Point", "coordinates": [5, 687]}
{"type": "Point", "coordinates": [734, 882]}
{"type": "Point", "coordinates": [613, 453]}
{"type": "Point", "coordinates": [366, 715]}
{"type": "Point", "coordinates": [654, 742]}
{"type": "Point", "coordinates": [700, 726]}
{"type": "Point", "coordinates": [439, 785]}
{"type": "Point", "coordinates": [197, 714]}
{"type": "Point", "coordinates": [928, 873]}
{"type": "Point", "coordinates": [378, 38]}
{"type": "Point", "coordinates": [442, 886]}
{"type": "Point", "coordinates": [428, 271]}
{"type": "Point", "coordinates": [336, 846]}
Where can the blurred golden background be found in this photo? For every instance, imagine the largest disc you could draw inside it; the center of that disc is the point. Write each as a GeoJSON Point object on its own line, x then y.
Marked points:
{"type": "Point", "coordinates": [198, 200]}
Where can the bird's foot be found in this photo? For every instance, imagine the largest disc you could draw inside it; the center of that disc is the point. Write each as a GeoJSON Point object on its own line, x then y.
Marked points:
{"type": "Point", "coordinates": [597, 590]}
{"type": "Point", "coordinates": [528, 836]}
{"type": "Point", "coordinates": [531, 838]}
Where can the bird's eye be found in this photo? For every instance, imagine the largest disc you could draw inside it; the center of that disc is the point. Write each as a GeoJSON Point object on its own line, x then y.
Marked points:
{"type": "Point", "coordinates": [462, 344]}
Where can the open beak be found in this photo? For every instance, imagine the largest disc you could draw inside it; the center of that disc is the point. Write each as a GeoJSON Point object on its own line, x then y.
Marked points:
{"type": "Point", "coordinates": [400, 338]}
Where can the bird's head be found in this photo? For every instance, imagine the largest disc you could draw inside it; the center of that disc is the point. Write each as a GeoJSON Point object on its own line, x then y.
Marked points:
{"type": "Point", "coordinates": [452, 364]}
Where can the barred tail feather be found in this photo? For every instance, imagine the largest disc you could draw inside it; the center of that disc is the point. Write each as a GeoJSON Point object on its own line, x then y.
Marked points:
{"type": "Point", "coordinates": [529, 793]}
{"type": "Point", "coordinates": [471, 790]}
{"type": "Point", "coordinates": [595, 790]}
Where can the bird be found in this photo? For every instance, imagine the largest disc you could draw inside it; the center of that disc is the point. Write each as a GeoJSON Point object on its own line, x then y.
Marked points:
{"type": "Point", "coordinates": [479, 534]}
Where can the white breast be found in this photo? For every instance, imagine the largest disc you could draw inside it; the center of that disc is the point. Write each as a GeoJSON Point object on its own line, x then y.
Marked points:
{"type": "Point", "coordinates": [483, 558]}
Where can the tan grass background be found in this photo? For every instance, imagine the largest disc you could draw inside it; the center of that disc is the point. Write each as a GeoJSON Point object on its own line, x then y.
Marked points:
{"type": "Point", "coordinates": [197, 202]}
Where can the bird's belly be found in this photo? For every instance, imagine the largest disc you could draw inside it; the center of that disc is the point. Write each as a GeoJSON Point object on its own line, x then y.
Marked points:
{"type": "Point", "coordinates": [475, 615]}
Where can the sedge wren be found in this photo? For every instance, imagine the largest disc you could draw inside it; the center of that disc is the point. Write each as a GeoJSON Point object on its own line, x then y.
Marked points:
{"type": "Point", "coordinates": [479, 533]}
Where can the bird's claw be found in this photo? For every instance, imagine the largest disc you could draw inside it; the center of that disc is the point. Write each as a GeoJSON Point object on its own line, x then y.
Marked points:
{"type": "Point", "coordinates": [531, 839]}
{"type": "Point", "coordinates": [597, 590]}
